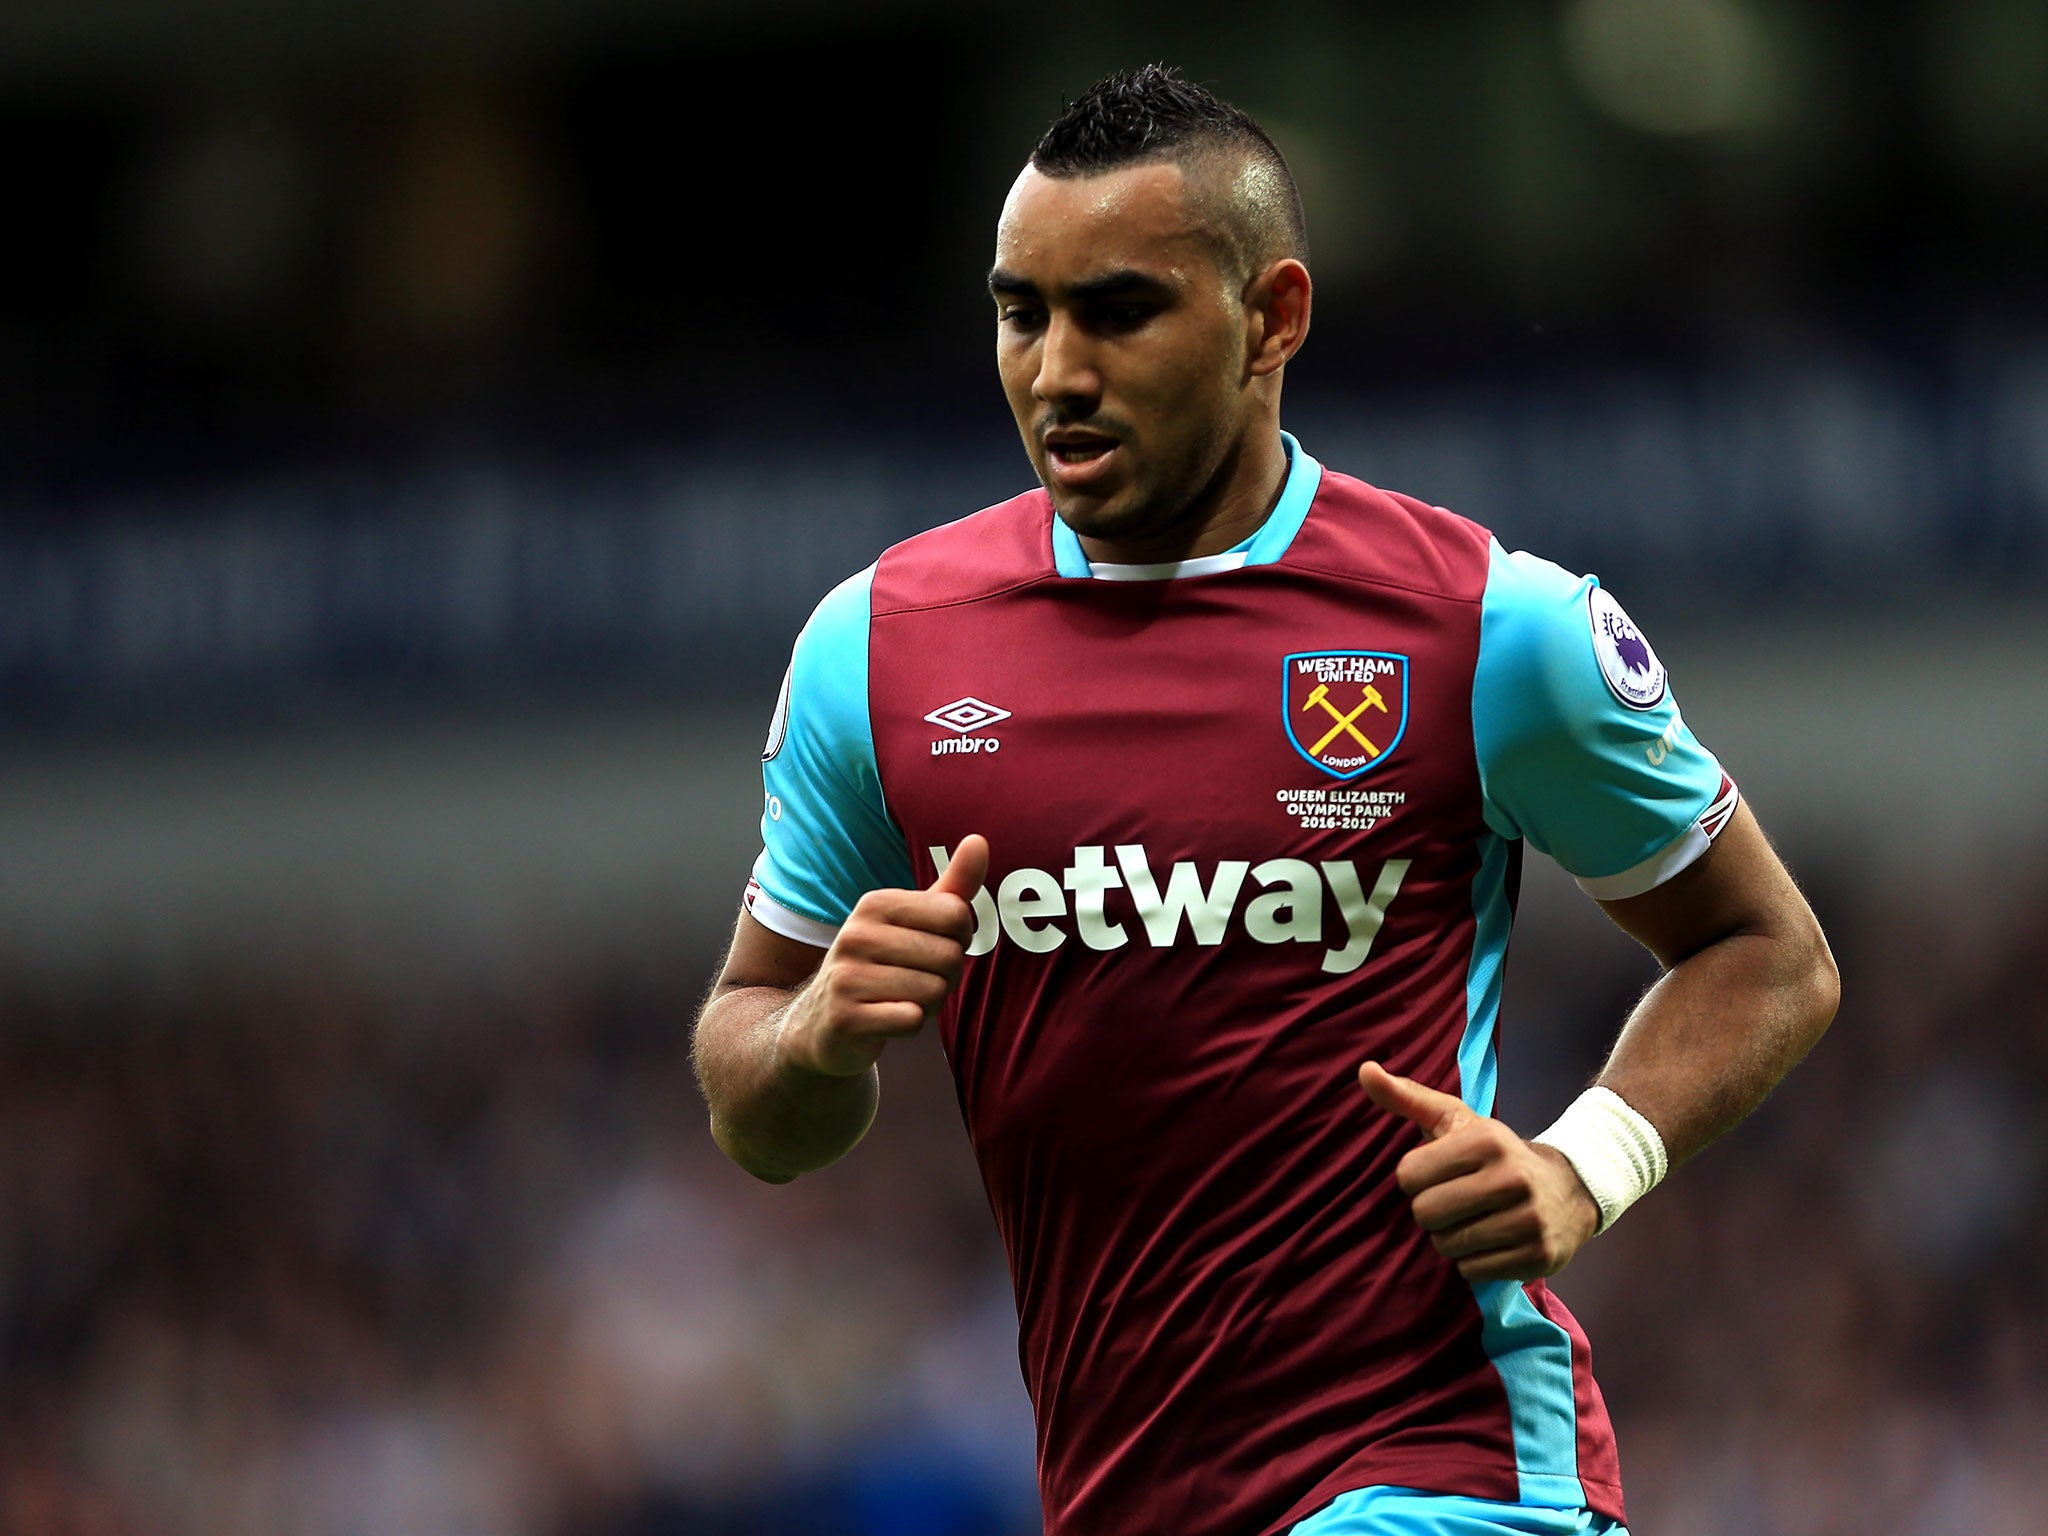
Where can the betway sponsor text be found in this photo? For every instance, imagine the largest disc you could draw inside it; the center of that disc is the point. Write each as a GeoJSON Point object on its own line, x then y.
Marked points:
{"type": "Point", "coordinates": [1039, 911]}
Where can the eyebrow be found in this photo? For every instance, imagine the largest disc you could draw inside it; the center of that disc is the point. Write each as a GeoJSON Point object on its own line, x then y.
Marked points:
{"type": "Point", "coordinates": [1123, 282]}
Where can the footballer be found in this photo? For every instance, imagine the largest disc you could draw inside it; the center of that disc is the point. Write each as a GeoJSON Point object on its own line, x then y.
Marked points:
{"type": "Point", "coordinates": [1184, 796]}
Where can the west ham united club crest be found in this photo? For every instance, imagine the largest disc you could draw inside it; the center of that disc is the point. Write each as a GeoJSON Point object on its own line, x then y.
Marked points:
{"type": "Point", "coordinates": [1346, 710]}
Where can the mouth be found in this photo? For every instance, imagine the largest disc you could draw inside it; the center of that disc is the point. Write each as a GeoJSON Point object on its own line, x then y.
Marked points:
{"type": "Point", "coordinates": [1076, 458]}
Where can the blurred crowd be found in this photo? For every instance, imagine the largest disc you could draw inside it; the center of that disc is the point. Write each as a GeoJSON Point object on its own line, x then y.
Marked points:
{"type": "Point", "coordinates": [1831, 1324]}
{"type": "Point", "coordinates": [288, 1248]}
{"type": "Point", "coordinates": [282, 1255]}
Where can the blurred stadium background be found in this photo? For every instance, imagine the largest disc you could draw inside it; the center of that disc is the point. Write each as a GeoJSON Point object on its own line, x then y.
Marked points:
{"type": "Point", "coordinates": [422, 429]}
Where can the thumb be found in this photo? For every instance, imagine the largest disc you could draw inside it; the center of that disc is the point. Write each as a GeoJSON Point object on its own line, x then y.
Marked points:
{"type": "Point", "coordinates": [1437, 1113]}
{"type": "Point", "coordinates": [966, 870]}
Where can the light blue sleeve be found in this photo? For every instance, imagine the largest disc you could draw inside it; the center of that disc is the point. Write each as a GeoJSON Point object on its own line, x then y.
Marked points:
{"type": "Point", "coordinates": [1581, 746]}
{"type": "Point", "coordinates": [826, 834]}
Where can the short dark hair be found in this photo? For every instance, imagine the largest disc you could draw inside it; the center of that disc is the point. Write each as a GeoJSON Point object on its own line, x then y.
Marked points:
{"type": "Point", "coordinates": [1155, 113]}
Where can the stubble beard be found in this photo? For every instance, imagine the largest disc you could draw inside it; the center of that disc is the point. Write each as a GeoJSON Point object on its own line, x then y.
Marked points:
{"type": "Point", "coordinates": [1158, 511]}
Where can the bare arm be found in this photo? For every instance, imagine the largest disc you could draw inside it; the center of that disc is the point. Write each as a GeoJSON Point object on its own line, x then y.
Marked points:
{"type": "Point", "coordinates": [1748, 987]}
{"type": "Point", "coordinates": [786, 1043]}
{"type": "Point", "coordinates": [772, 1121]}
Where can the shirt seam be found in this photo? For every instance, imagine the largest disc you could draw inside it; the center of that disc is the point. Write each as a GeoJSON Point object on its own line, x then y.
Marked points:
{"type": "Point", "coordinates": [889, 817]}
{"type": "Point", "coordinates": [1043, 578]}
{"type": "Point", "coordinates": [1360, 579]}
{"type": "Point", "coordinates": [1034, 579]}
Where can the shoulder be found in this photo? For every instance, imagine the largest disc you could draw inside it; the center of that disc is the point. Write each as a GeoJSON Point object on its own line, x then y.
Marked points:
{"type": "Point", "coordinates": [1385, 537]}
{"type": "Point", "coordinates": [845, 607]}
{"type": "Point", "coordinates": [1551, 632]}
{"type": "Point", "coordinates": [1580, 743]}
{"type": "Point", "coordinates": [1535, 610]}
{"type": "Point", "coordinates": [832, 647]}
{"type": "Point", "coordinates": [1537, 669]}
{"type": "Point", "coordinates": [990, 551]}
{"type": "Point", "coordinates": [1519, 583]}
{"type": "Point", "coordinates": [824, 692]}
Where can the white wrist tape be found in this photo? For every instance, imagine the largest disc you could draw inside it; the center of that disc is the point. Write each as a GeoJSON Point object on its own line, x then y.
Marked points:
{"type": "Point", "coordinates": [1617, 1154]}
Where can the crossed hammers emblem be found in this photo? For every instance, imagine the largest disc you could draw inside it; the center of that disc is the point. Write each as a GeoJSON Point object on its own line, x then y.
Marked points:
{"type": "Point", "coordinates": [1372, 700]}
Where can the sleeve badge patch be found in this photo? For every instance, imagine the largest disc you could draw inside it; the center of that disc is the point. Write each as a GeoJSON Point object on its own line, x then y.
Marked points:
{"type": "Point", "coordinates": [1634, 674]}
{"type": "Point", "coordinates": [1345, 711]}
{"type": "Point", "coordinates": [779, 726]}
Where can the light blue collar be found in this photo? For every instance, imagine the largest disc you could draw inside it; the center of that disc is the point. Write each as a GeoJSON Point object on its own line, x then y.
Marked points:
{"type": "Point", "coordinates": [1266, 545]}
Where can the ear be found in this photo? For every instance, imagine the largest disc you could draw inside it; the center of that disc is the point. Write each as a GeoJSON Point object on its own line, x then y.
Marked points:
{"type": "Point", "coordinates": [1276, 305]}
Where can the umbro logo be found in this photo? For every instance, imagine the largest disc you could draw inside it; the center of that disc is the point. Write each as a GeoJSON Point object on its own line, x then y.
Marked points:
{"type": "Point", "coordinates": [968, 714]}
{"type": "Point", "coordinates": [963, 716]}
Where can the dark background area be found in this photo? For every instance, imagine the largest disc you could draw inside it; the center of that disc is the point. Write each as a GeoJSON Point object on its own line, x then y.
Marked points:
{"type": "Point", "coordinates": [423, 428]}
{"type": "Point", "coordinates": [341, 225]}
{"type": "Point", "coordinates": [414, 351]}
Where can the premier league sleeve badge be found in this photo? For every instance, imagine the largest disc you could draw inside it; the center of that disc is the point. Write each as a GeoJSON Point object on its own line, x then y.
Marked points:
{"type": "Point", "coordinates": [1634, 674]}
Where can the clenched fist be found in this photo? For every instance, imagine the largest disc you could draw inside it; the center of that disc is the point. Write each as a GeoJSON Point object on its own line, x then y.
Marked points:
{"type": "Point", "coordinates": [1502, 1208]}
{"type": "Point", "coordinates": [894, 960]}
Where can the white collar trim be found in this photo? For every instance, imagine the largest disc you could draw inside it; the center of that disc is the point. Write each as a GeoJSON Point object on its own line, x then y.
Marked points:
{"type": "Point", "coordinates": [1201, 565]}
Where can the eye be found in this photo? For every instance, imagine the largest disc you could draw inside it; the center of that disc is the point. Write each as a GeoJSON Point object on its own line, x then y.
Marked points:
{"type": "Point", "coordinates": [1021, 317]}
{"type": "Point", "coordinates": [1123, 317]}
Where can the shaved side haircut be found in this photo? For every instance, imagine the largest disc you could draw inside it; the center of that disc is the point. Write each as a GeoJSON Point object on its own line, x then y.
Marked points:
{"type": "Point", "coordinates": [1239, 180]}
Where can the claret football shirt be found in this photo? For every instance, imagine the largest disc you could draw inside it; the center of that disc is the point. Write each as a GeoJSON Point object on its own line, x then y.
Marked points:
{"type": "Point", "coordinates": [1254, 818]}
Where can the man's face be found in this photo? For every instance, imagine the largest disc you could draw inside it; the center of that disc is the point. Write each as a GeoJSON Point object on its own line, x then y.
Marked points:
{"type": "Point", "coordinates": [1121, 346]}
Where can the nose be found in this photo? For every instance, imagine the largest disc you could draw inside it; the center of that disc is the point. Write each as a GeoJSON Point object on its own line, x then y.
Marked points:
{"type": "Point", "coordinates": [1067, 376]}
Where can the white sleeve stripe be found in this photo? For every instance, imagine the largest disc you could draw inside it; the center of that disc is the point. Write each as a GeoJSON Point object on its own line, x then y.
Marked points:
{"type": "Point", "coordinates": [1673, 857]}
{"type": "Point", "coordinates": [1653, 871]}
{"type": "Point", "coordinates": [776, 918]}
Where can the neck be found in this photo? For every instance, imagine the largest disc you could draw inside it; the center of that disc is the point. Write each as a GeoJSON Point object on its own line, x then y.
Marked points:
{"type": "Point", "coordinates": [1237, 499]}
